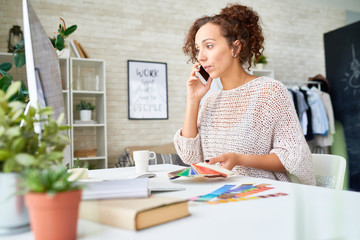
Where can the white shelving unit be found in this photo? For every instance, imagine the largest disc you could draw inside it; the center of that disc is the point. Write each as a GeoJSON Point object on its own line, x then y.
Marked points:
{"type": "Point", "coordinates": [87, 82]}
{"type": "Point", "coordinates": [82, 79]}
{"type": "Point", "coordinates": [64, 72]}
{"type": "Point", "coordinates": [263, 72]}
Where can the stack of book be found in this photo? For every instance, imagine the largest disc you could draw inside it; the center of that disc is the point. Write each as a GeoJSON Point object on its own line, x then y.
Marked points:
{"type": "Point", "coordinates": [78, 49]}
{"type": "Point", "coordinates": [128, 204]}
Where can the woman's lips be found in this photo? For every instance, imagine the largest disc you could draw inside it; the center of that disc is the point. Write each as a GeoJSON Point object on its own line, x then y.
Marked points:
{"type": "Point", "coordinates": [207, 68]}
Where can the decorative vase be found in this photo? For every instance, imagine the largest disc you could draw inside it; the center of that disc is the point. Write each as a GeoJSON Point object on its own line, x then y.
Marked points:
{"type": "Point", "coordinates": [260, 66]}
{"type": "Point", "coordinates": [65, 52]}
{"type": "Point", "coordinates": [85, 115]}
{"type": "Point", "coordinates": [54, 217]}
{"type": "Point", "coordinates": [13, 213]}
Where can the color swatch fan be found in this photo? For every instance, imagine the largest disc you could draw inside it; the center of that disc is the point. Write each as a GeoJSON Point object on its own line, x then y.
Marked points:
{"type": "Point", "coordinates": [201, 170]}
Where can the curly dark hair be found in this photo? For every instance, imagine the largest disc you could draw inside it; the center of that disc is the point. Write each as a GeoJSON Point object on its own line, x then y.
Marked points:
{"type": "Point", "coordinates": [236, 22]}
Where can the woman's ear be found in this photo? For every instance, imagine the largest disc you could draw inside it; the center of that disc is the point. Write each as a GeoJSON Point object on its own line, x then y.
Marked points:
{"type": "Point", "coordinates": [236, 47]}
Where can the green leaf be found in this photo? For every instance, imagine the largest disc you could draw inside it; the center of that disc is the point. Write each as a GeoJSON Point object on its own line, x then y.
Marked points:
{"type": "Point", "coordinates": [4, 154]}
{"type": "Point", "coordinates": [13, 132]}
{"type": "Point", "coordinates": [5, 66]}
{"type": "Point", "coordinates": [17, 145]}
{"type": "Point", "coordinates": [2, 130]}
{"type": "Point", "coordinates": [5, 82]}
{"type": "Point", "coordinates": [60, 119]}
{"type": "Point", "coordinates": [16, 105]}
{"type": "Point", "coordinates": [70, 30]}
{"type": "Point", "coordinates": [20, 45]}
{"type": "Point", "coordinates": [10, 165]}
{"type": "Point", "coordinates": [12, 89]}
{"type": "Point", "coordinates": [59, 43]}
{"type": "Point", "coordinates": [25, 159]}
{"type": "Point", "coordinates": [46, 111]}
{"type": "Point", "coordinates": [19, 59]}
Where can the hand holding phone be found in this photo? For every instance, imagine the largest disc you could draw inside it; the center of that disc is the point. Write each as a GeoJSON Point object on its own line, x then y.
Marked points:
{"type": "Point", "coordinates": [202, 75]}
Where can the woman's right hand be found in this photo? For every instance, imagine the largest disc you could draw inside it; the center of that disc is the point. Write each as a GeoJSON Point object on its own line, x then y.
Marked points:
{"type": "Point", "coordinates": [196, 90]}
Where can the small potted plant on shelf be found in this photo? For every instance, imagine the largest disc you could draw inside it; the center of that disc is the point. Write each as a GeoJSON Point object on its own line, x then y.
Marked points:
{"type": "Point", "coordinates": [59, 41]}
{"type": "Point", "coordinates": [260, 62]}
{"type": "Point", "coordinates": [85, 109]}
{"type": "Point", "coordinates": [53, 202]}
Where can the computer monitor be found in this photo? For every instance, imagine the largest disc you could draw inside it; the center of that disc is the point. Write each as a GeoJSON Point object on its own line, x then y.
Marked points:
{"type": "Point", "coordinates": [42, 64]}
{"type": "Point", "coordinates": [42, 68]}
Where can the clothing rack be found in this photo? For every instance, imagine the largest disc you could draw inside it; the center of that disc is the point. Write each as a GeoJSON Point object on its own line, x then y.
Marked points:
{"type": "Point", "coordinates": [290, 84]}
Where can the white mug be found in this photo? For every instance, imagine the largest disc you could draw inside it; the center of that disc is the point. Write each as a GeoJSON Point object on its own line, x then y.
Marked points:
{"type": "Point", "coordinates": [141, 159]}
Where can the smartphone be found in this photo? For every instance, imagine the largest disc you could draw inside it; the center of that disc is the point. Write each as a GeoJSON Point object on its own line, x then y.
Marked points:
{"type": "Point", "coordinates": [202, 75]}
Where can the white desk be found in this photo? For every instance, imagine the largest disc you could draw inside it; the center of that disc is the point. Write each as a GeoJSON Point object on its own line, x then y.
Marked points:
{"type": "Point", "coordinates": [306, 213]}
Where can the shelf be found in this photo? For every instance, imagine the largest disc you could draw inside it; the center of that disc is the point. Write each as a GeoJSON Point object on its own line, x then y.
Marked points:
{"type": "Point", "coordinates": [91, 158]}
{"type": "Point", "coordinates": [87, 93]}
{"type": "Point", "coordinates": [263, 72]}
{"type": "Point", "coordinates": [87, 82]}
{"type": "Point", "coordinates": [89, 125]}
{"type": "Point", "coordinates": [6, 57]}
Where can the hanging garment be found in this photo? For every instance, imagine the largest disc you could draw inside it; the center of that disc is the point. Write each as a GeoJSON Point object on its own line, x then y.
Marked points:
{"type": "Point", "coordinates": [326, 141]}
{"type": "Point", "coordinates": [309, 134]}
{"type": "Point", "coordinates": [319, 120]}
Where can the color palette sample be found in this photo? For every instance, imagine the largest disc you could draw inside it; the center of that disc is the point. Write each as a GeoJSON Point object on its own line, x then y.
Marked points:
{"type": "Point", "coordinates": [213, 194]}
{"type": "Point", "coordinates": [231, 193]}
{"type": "Point", "coordinates": [201, 170]}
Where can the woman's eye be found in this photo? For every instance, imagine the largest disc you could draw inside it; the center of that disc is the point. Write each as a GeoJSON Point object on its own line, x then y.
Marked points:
{"type": "Point", "coordinates": [209, 46]}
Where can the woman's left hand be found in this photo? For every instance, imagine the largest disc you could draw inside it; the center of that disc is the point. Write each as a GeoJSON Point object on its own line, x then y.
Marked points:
{"type": "Point", "coordinates": [227, 160]}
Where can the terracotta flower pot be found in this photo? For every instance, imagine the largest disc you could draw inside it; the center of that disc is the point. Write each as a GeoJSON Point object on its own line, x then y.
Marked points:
{"type": "Point", "coordinates": [54, 217]}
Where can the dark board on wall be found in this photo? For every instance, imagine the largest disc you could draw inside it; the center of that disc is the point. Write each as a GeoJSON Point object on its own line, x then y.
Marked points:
{"type": "Point", "coordinates": [342, 57]}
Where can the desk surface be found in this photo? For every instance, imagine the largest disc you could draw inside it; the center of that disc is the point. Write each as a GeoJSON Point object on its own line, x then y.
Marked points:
{"type": "Point", "coordinates": [307, 212]}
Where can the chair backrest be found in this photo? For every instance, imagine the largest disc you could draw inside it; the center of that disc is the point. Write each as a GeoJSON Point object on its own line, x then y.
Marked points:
{"type": "Point", "coordinates": [329, 170]}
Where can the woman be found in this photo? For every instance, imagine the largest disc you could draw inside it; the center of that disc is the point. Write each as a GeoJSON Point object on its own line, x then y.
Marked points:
{"type": "Point", "coordinates": [250, 126]}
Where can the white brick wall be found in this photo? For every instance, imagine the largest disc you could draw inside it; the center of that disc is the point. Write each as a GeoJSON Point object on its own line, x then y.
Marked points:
{"type": "Point", "coordinates": [118, 30]}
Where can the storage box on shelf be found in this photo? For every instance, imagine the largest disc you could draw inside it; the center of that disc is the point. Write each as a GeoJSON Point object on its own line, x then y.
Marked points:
{"type": "Point", "coordinates": [87, 81]}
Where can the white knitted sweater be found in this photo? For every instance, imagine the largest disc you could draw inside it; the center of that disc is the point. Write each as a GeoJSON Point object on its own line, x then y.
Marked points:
{"type": "Point", "coordinates": [256, 118]}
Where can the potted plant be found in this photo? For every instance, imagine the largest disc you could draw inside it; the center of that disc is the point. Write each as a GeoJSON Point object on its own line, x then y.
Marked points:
{"type": "Point", "coordinates": [21, 147]}
{"type": "Point", "coordinates": [260, 62]}
{"type": "Point", "coordinates": [53, 202]}
{"type": "Point", "coordinates": [59, 41]}
{"type": "Point", "coordinates": [85, 109]}
{"type": "Point", "coordinates": [14, 215]}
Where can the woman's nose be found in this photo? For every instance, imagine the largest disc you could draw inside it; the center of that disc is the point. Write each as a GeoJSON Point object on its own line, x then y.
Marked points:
{"type": "Point", "coordinates": [201, 55]}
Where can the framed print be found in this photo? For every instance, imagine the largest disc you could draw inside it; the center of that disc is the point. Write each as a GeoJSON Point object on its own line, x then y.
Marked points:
{"type": "Point", "coordinates": [147, 90]}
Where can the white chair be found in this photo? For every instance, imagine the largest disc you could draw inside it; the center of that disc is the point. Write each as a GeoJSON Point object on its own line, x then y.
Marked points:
{"type": "Point", "coordinates": [329, 170]}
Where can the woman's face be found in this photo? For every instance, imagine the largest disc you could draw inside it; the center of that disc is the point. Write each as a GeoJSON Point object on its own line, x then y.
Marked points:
{"type": "Point", "coordinates": [214, 53]}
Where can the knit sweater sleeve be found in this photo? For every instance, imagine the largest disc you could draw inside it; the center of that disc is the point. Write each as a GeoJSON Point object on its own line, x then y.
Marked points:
{"type": "Point", "coordinates": [189, 149]}
{"type": "Point", "coordinates": [289, 143]}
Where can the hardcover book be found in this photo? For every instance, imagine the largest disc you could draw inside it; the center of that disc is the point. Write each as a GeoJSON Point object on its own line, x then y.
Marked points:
{"type": "Point", "coordinates": [134, 214]}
